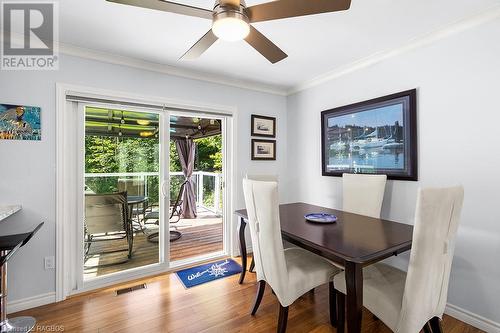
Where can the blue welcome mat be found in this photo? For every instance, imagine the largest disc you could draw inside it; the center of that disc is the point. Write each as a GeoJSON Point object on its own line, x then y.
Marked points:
{"type": "Point", "coordinates": [194, 276]}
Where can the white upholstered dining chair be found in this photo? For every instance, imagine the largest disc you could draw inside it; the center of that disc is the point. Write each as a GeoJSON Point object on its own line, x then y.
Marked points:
{"type": "Point", "coordinates": [363, 194]}
{"type": "Point", "coordinates": [262, 177]}
{"type": "Point", "coordinates": [290, 272]}
{"type": "Point", "coordinates": [408, 302]}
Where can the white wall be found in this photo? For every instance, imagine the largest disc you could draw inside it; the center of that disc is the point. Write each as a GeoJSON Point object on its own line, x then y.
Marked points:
{"type": "Point", "coordinates": [27, 169]}
{"type": "Point", "coordinates": [458, 81]}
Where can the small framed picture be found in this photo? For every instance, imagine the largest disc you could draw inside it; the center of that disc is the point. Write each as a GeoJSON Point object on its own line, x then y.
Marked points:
{"type": "Point", "coordinates": [263, 150]}
{"type": "Point", "coordinates": [20, 122]}
{"type": "Point", "coordinates": [263, 126]}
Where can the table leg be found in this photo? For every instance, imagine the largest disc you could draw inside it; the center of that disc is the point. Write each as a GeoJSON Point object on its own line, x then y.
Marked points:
{"type": "Point", "coordinates": [252, 265]}
{"type": "Point", "coordinates": [354, 284]}
{"type": "Point", "coordinates": [243, 248]}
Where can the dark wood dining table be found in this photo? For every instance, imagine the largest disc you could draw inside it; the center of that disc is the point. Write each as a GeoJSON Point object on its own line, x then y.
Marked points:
{"type": "Point", "coordinates": [353, 241]}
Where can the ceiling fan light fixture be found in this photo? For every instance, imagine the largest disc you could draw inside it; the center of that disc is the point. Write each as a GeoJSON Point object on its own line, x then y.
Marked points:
{"type": "Point", "coordinates": [230, 26]}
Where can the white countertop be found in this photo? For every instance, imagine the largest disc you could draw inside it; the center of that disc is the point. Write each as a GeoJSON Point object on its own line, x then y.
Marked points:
{"type": "Point", "coordinates": [8, 210]}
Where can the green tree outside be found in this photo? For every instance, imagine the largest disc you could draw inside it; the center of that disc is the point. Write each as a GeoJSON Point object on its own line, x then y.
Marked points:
{"type": "Point", "coordinates": [120, 155]}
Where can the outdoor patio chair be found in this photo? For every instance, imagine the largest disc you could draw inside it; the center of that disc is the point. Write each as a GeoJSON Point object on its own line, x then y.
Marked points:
{"type": "Point", "coordinates": [106, 219]}
{"type": "Point", "coordinates": [134, 187]}
{"type": "Point", "coordinates": [131, 186]}
{"type": "Point", "coordinates": [175, 211]}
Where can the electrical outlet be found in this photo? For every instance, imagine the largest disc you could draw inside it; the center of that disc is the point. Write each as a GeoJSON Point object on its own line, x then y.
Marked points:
{"type": "Point", "coordinates": [49, 262]}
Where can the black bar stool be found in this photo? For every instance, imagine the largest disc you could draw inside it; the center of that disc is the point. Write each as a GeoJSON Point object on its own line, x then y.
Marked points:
{"type": "Point", "coordinates": [8, 246]}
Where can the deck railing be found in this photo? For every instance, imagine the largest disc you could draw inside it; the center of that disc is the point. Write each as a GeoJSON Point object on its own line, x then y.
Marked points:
{"type": "Point", "coordinates": [208, 185]}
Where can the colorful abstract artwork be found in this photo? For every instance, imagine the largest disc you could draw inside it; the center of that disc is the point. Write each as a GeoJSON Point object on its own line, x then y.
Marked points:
{"type": "Point", "coordinates": [19, 122]}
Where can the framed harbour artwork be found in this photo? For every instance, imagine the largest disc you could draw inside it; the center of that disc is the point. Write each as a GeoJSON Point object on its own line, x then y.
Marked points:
{"type": "Point", "coordinates": [263, 150]}
{"type": "Point", "coordinates": [18, 122]}
{"type": "Point", "coordinates": [378, 136]}
{"type": "Point", "coordinates": [263, 126]}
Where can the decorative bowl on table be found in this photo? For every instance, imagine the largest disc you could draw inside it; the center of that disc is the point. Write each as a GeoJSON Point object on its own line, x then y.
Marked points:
{"type": "Point", "coordinates": [320, 218]}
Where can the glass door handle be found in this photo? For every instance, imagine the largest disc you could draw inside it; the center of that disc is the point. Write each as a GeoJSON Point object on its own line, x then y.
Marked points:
{"type": "Point", "coordinates": [164, 189]}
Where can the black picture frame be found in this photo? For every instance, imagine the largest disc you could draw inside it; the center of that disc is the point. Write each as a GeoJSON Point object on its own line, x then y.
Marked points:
{"type": "Point", "coordinates": [255, 131]}
{"type": "Point", "coordinates": [256, 157]}
{"type": "Point", "coordinates": [343, 142]}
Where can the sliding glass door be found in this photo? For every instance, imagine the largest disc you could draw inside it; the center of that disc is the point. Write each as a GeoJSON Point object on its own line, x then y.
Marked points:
{"type": "Point", "coordinates": [122, 196]}
{"type": "Point", "coordinates": [153, 192]}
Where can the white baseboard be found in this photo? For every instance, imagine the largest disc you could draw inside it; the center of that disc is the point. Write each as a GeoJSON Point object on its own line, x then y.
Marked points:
{"type": "Point", "coordinates": [30, 302]}
{"type": "Point", "coordinates": [472, 319]}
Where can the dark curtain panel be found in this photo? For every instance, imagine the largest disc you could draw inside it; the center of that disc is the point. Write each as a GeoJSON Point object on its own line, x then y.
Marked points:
{"type": "Point", "coordinates": [186, 152]}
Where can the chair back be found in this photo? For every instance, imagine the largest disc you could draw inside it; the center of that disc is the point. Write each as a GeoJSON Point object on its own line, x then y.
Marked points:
{"type": "Point", "coordinates": [132, 186]}
{"type": "Point", "coordinates": [176, 206]}
{"type": "Point", "coordinates": [436, 223]}
{"type": "Point", "coordinates": [106, 212]}
{"type": "Point", "coordinates": [363, 194]}
{"type": "Point", "coordinates": [261, 199]}
{"type": "Point", "coordinates": [265, 178]}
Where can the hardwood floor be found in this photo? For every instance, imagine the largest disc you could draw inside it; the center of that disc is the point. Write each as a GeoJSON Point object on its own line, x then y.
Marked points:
{"type": "Point", "coordinates": [195, 241]}
{"type": "Point", "coordinates": [219, 306]}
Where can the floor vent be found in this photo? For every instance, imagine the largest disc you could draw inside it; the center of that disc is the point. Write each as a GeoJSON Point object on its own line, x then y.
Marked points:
{"type": "Point", "coordinates": [130, 289]}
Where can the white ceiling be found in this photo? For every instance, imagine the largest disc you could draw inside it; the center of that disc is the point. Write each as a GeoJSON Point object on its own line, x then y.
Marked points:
{"type": "Point", "coordinates": [314, 44]}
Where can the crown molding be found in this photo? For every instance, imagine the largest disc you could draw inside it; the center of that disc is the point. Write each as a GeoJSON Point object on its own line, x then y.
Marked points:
{"type": "Point", "coordinates": [76, 51]}
{"type": "Point", "coordinates": [170, 70]}
{"type": "Point", "coordinates": [415, 43]}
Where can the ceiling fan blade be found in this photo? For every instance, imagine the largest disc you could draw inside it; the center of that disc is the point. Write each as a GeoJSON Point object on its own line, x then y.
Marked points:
{"type": "Point", "coordinates": [290, 8]}
{"type": "Point", "coordinates": [200, 46]}
{"type": "Point", "coordinates": [168, 6]}
{"type": "Point", "coordinates": [264, 46]}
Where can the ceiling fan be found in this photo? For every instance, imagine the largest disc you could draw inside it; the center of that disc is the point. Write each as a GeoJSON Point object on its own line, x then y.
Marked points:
{"type": "Point", "coordinates": [231, 20]}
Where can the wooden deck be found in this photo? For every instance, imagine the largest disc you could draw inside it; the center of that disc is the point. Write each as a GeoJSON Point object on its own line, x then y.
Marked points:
{"type": "Point", "coordinates": [219, 306]}
{"type": "Point", "coordinates": [199, 237]}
